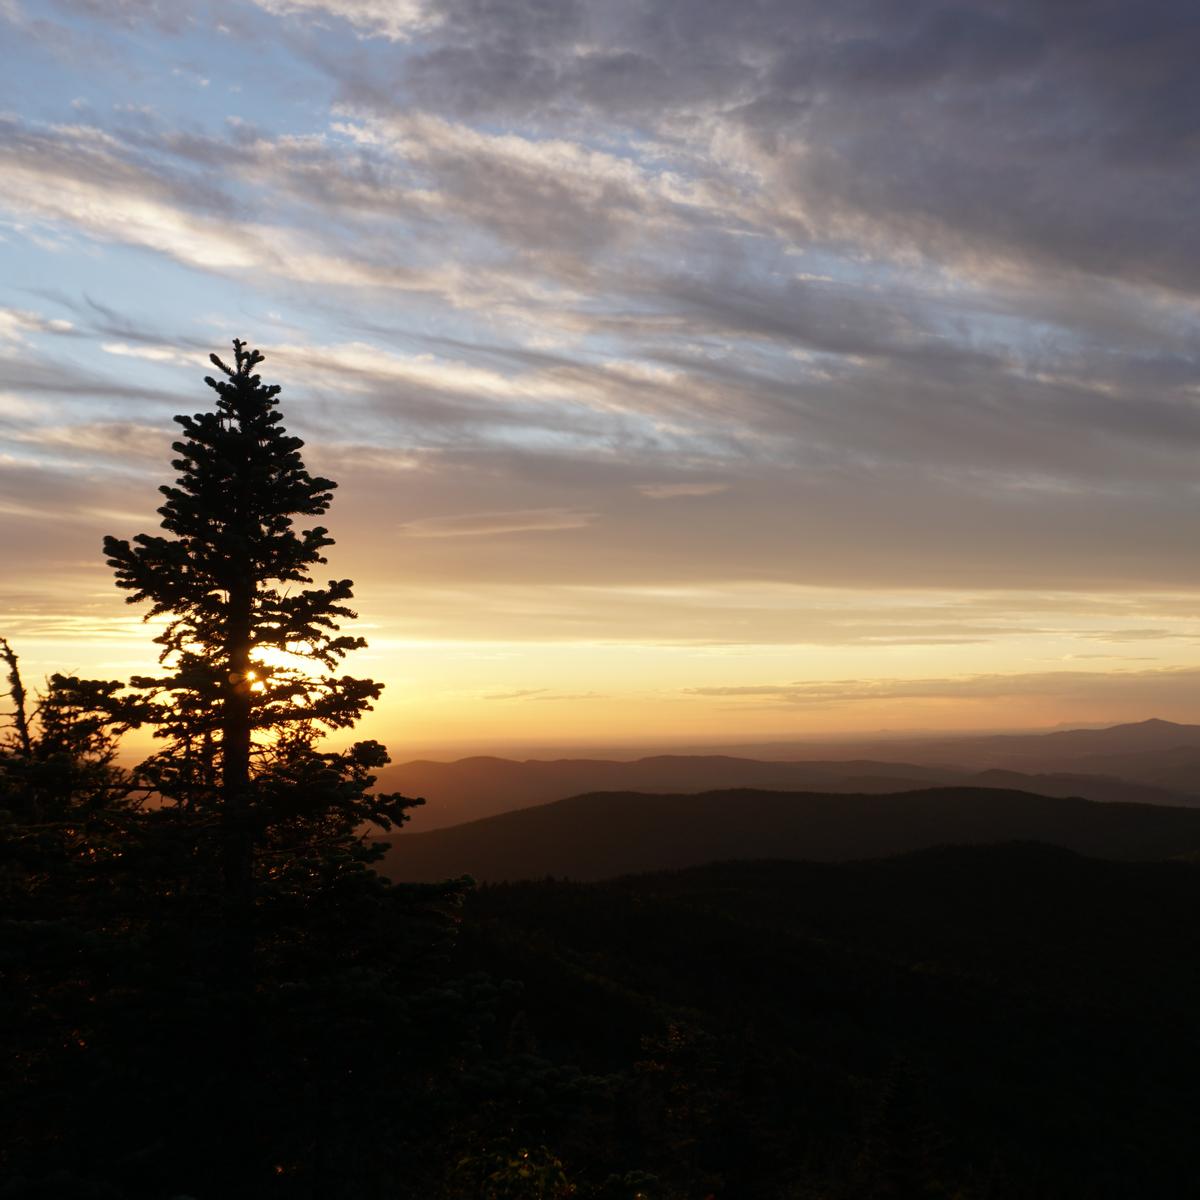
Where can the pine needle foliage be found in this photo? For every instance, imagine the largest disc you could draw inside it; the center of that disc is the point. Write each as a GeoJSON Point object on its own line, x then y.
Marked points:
{"type": "Point", "coordinates": [252, 645]}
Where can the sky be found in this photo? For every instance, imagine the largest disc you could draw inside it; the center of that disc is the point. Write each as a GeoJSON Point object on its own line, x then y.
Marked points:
{"type": "Point", "coordinates": [692, 371]}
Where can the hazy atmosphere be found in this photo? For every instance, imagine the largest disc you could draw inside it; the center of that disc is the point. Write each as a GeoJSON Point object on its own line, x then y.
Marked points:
{"type": "Point", "coordinates": [690, 370]}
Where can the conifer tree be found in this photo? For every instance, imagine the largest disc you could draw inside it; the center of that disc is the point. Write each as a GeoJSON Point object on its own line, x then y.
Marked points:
{"type": "Point", "coordinates": [317, 962]}
{"type": "Point", "coordinates": [211, 991]}
{"type": "Point", "coordinates": [233, 576]}
{"type": "Point", "coordinates": [72, 840]}
{"type": "Point", "coordinates": [57, 757]}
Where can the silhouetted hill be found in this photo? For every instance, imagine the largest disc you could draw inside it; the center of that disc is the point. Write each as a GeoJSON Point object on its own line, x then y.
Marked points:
{"type": "Point", "coordinates": [1067, 749]}
{"type": "Point", "coordinates": [1104, 788]}
{"type": "Point", "coordinates": [472, 788]}
{"type": "Point", "coordinates": [605, 834]}
{"type": "Point", "coordinates": [1177, 768]}
{"type": "Point", "coordinates": [1057, 750]}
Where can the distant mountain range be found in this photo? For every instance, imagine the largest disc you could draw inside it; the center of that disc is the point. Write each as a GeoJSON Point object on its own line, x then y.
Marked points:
{"type": "Point", "coordinates": [1150, 762]}
{"type": "Point", "coordinates": [1090, 751]}
{"type": "Point", "coordinates": [1020, 751]}
{"type": "Point", "coordinates": [604, 834]}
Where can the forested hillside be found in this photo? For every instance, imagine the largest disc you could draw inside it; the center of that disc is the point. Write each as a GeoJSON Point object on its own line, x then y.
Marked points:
{"type": "Point", "coordinates": [1010, 1021]}
{"type": "Point", "coordinates": [604, 834]}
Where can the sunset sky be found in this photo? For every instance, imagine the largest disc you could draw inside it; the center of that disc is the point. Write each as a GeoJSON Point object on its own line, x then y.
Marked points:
{"type": "Point", "coordinates": [692, 370]}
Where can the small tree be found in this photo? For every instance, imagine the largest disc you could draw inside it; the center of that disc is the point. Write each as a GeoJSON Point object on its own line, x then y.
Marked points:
{"type": "Point", "coordinates": [70, 832]}
{"type": "Point", "coordinates": [58, 756]}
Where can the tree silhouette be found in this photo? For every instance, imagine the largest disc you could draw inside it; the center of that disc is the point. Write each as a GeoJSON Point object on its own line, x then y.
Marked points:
{"type": "Point", "coordinates": [210, 992]}
{"type": "Point", "coordinates": [22, 739]}
{"type": "Point", "coordinates": [233, 575]}
{"type": "Point", "coordinates": [58, 760]}
{"type": "Point", "coordinates": [309, 967]}
{"type": "Point", "coordinates": [71, 829]}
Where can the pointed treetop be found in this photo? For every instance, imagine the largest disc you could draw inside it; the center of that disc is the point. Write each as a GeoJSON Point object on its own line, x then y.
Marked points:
{"type": "Point", "coordinates": [242, 393]}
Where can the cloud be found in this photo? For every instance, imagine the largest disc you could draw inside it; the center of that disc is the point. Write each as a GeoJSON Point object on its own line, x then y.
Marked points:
{"type": "Point", "coordinates": [154, 354]}
{"type": "Point", "coordinates": [16, 324]}
{"type": "Point", "coordinates": [1139, 635]}
{"type": "Point", "coordinates": [671, 491]}
{"type": "Point", "coordinates": [33, 375]}
{"type": "Point", "coordinates": [545, 695]}
{"type": "Point", "coordinates": [116, 440]}
{"type": "Point", "coordinates": [1065, 686]}
{"type": "Point", "coordinates": [1112, 657]}
{"type": "Point", "coordinates": [91, 182]}
{"type": "Point", "coordinates": [540, 195]}
{"type": "Point", "coordinates": [493, 524]}
{"type": "Point", "coordinates": [984, 133]}
{"type": "Point", "coordinates": [395, 19]}
{"type": "Point", "coordinates": [539, 437]}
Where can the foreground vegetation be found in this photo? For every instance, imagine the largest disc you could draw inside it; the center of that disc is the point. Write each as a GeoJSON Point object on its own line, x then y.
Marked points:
{"type": "Point", "coordinates": [1009, 1021]}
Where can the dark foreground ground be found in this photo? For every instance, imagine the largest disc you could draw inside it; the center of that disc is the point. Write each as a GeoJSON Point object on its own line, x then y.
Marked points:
{"type": "Point", "coordinates": [1009, 1021]}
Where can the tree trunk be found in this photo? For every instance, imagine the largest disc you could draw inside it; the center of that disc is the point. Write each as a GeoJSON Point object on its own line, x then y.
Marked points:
{"type": "Point", "coordinates": [236, 830]}
{"type": "Point", "coordinates": [237, 854]}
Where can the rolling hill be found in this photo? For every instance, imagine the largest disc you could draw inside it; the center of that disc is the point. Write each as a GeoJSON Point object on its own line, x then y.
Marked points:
{"type": "Point", "coordinates": [472, 788]}
{"type": "Point", "coordinates": [604, 834]}
{"type": "Point", "coordinates": [1149, 763]}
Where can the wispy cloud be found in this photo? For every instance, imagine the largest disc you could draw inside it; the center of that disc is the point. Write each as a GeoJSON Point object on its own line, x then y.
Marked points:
{"type": "Point", "coordinates": [16, 324]}
{"type": "Point", "coordinates": [672, 491]}
{"type": "Point", "coordinates": [1066, 686]}
{"type": "Point", "coordinates": [493, 524]}
{"type": "Point", "coordinates": [395, 19]}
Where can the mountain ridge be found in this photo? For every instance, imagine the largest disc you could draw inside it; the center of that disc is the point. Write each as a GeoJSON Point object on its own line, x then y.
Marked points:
{"type": "Point", "coordinates": [1152, 761]}
{"type": "Point", "coordinates": [599, 835]}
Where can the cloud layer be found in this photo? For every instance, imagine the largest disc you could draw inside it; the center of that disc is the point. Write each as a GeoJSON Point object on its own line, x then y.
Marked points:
{"type": "Point", "coordinates": [621, 320]}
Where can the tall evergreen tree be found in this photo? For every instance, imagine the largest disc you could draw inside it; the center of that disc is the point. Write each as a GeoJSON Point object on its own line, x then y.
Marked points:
{"type": "Point", "coordinates": [309, 975]}
{"type": "Point", "coordinates": [209, 991]}
{"type": "Point", "coordinates": [239, 628]}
